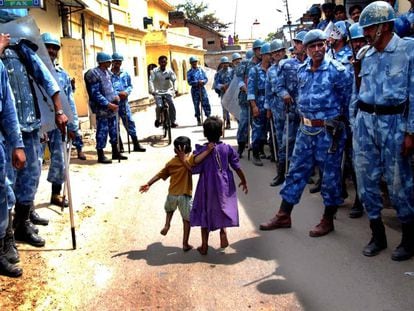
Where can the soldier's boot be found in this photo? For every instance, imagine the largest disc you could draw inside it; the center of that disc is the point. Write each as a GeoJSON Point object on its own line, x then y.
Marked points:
{"type": "Point", "coordinates": [281, 220]}
{"type": "Point", "coordinates": [256, 158]}
{"type": "Point", "coordinates": [240, 148]}
{"type": "Point", "coordinates": [116, 155]}
{"type": "Point", "coordinates": [280, 177]}
{"type": "Point", "coordinates": [23, 230]}
{"type": "Point", "coordinates": [55, 199]}
{"type": "Point", "coordinates": [357, 209]}
{"type": "Point", "coordinates": [7, 268]}
{"type": "Point", "coordinates": [137, 146]}
{"type": "Point", "coordinates": [326, 225]}
{"type": "Point", "coordinates": [10, 248]}
{"type": "Point", "coordinates": [81, 155]}
{"type": "Point", "coordinates": [121, 145]}
{"type": "Point", "coordinates": [102, 158]}
{"type": "Point", "coordinates": [405, 250]}
{"type": "Point", "coordinates": [378, 240]}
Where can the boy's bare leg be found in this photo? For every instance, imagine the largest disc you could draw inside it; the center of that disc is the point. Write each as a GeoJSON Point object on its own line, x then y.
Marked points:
{"type": "Point", "coordinates": [204, 242]}
{"type": "Point", "coordinates": [168, 218]}
{"type": "Point", "coordinates": [223, 238]}
{"type": "Point", "coordinates": [186, 235]}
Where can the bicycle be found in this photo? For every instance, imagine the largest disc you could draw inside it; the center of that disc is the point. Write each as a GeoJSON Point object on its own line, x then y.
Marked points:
{"type": "Point", "coordinates": [165, 117]}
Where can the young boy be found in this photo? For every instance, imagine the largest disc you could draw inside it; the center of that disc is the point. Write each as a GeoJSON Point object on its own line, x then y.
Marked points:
{"type": "Point", "coordinates": [180, 189]}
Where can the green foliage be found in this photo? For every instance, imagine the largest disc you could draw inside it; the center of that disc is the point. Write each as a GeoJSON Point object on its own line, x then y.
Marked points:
{"type": "Point", "coordinates": [197, 12]}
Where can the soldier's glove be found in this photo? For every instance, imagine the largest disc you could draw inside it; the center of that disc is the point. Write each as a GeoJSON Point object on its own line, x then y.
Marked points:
{"type": "Point", "coordinates": [408, 145]}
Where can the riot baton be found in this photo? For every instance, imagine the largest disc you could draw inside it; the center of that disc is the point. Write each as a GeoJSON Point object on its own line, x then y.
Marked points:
{"type": "Point", "coordinates": [68, 187]}
{"type": "Point", "coordinates": [127, 128]}
{"type": "Point", "coordinates": [117, 136]}
{"type": "Point", "coordinates": [272, 132]}
{"type": "Point", "coordinates": [287, 140]}
{"type": "Point", "coordinates": [201, 106]}
{"type": "Point", "coordinates": [249, 120]}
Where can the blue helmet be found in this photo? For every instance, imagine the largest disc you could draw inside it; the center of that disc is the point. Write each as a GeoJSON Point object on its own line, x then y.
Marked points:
{"type": "Point", "coordinates": [48, 38]}
{"type": "Point", "coordinates": [258, 43]}
{"type": "Point", "coordinates": [193, 59]}
{"type": "Point", "coordinates": [117, 56]}
{"type": "Point", "coordinates": [249, 54]}
{"type": "Point", "coordinates": [235, 56]}
{"type": "Point", "coordinates": [356, 31]}
{"type": "Point", "coordinates": [314, 35]}
{"type": "Point", "coordinates": [224, 60]}
{"type": "Point", "coordinates": [265, 49]}
{"type": "Point", "coordinates": [377, 12]}
{"type": "Point", "coordinates": [315, 10]}
{"type": "Point", "coordinates": [102, 57]}
{"type": "Point", "coordinates": [300, 35]}
{"type": "Point", "coordinates": [276, 45]}
{"type": "Point", "coordinates": [402, 26]}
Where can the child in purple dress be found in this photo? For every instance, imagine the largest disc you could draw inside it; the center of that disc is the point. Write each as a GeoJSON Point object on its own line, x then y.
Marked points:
{"type": "Point", "coordinates": [215, 199]}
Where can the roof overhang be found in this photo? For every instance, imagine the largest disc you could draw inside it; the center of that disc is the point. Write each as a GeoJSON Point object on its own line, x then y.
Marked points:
{"type": "Point", "coordinates": [73, 3]}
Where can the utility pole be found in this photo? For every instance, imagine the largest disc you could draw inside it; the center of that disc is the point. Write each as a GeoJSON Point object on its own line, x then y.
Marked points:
{"type": "Point", "coordinates": [289, 22]}
{"type": "Point", "coordinates": [111, 27]}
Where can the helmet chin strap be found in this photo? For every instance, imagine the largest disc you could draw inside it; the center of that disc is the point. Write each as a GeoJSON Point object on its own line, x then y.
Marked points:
{"type": "Point", "coordinates": [378, 33]}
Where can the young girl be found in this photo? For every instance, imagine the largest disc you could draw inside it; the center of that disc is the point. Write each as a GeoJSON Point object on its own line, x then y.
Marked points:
{"type": "Point", "coordinates": [215, 199]}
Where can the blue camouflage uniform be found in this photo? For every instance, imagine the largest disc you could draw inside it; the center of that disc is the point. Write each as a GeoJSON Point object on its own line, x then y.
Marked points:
{"type": "Point", "coordinates": [122, 82]}
{"type": "Point", "coordinates": [25, 180]}
{"type": "Point", "coordinates": [256, 85]}
{"type": "Point", "coordinates": [321, 95]}
{"type": "Point", "coordinates": [199, 93]}
{"type": "Point", "coordinates": [242, 73]}
{"type": "Point", "coordinates": [387, 80]}
{"type": "Point", "coordinates": [9, 134]}
{"type": "Point", "coordinates": [222, 78]}
{"type": "Point", "coordinates": [101, 93]}
{"type": "Point", "coordinates": [56, 174]}
{"type": "Point", "coordinates": [285, 82]}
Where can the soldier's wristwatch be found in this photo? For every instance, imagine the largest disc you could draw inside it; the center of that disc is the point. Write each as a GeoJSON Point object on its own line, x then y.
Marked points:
{"type": "Point", "coordinates": [59, 112]}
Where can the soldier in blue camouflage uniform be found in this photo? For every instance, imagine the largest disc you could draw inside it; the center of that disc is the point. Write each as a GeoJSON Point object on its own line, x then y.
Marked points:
{"type": "Point", "coordinates": [56, 174]}
{"type": "Point", "coordinates": [285, 87]}
{"type": "Point", "coordinates": [121, 80]}
{"type": "Point", "coordinates": [242, 73]}
{"type": "Point", "coordinates": [256, 86]}
{"type": "Point", "coordinates": [197, 78]}
{"type": "Point", "coordinates": [103, 101]}
{"type": "Point", "coordinates": [383, 128]}
{"type": "Point", "coordinates": [324, 85]}
{"type": "Point", "coordinates": [26, 68]}
{"type": "Point", "coordinates": [222, 81]}
{"type": "Point", "coordinates": [9, 134]}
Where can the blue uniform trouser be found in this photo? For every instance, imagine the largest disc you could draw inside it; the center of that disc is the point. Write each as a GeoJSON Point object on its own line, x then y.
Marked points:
{"type": "Point", "coordinates": [199, 94]}
{"type": "Point", "coordinates": [56, 174]}
{"type": "Point", "coordinates": [279, 117]}
{"type": "Point", "coordinates": [4, 189]}
{"type": "Point", "coordinates": [126, 116]}
{"type": "Point", "coordinates": [26, 180]}
{"type": "Point", "coordinates": [105, 126]}
{"type": "Point", "coordinates": [77, 142]}
{"type": "Point", "coordinates": [243, 119]}
{"type": "Point", "coordinates": [311, 148]}
{"type": "Point", "coordinates": [377, 141]}
{"type": "Point", "coordinates": [259, 127]}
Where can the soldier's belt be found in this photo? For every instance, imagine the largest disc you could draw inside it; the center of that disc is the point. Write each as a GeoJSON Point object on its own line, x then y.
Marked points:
{"type": "Point", "coordinates": [313, 123]}
{"type": "Point", "coordinates": [380, 109]}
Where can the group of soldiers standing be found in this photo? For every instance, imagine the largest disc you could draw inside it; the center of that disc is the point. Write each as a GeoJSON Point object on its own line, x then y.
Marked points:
{"type": "Point", "coordinates": [345, 97]}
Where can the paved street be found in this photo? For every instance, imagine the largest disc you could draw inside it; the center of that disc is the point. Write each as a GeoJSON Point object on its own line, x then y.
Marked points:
{"type": "Point", "coordinates": [123, 263]}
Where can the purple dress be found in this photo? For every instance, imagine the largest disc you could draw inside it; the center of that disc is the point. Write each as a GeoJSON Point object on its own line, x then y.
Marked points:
{"type": "Point", "coordinates": [215, 199]}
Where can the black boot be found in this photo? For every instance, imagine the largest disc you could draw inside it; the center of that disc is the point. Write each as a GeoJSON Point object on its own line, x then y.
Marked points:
{"type": "Point", "coordinates": [7, 268]}
{"type": "Point", "coordinates": [10, 248]}
{"type": "Point", "coordinates": [280, 178]}
{"type": "Point", "coordinates": [357, 209]}
{"type": "Point", "coordinates": [256, 158]}
{"type": "Point", "coordinates": [121, 145]}
{"type": "Point", "coordinates": [137, 146]}
{"type": "Point", "coordinates": [102, 158]}
{"type": "Point", "coordinates": [240, 149]}
{"type": "Point", "coordinates": [378, 241]}
{"type": "Point", "coordinates": [36, 219]}
{"type": "Point", "coordinates": [405, 250]}
{"type": "Point", "coordinates": [116, 155]}
{"type": "Point", "coordinates": [23, 231]}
